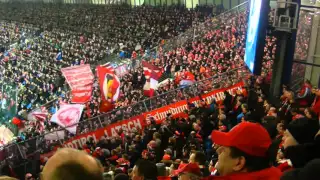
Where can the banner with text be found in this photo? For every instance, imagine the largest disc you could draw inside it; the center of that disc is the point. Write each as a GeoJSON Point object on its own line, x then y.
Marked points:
{"type": "Point", "coordinates": [177, 110]}
{"type": "Point", "coordinates": [80, 79]}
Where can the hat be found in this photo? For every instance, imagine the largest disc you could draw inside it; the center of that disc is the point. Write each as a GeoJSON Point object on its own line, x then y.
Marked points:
{"type": "Point", "coordinates": [248, 137]}
{"type": "Point", "coordinates": [303, 130]}
{"type": "Point", "coordinates": [192, 168]}
{"type": "Point", "coordinates": [309, 171]}
{"type": "Point", "coordinates": [166, 157]}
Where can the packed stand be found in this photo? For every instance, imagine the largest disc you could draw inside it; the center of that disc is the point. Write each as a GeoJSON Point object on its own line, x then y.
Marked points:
{"type": "Point", "coordinates": [187, 147]}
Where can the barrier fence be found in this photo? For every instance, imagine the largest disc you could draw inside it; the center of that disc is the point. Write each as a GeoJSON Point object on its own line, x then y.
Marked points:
{"type": "Point", "coordinates": [41, 145]}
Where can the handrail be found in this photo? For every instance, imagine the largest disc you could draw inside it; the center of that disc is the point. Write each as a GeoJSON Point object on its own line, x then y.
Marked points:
{"type": "Point", "coordinates": [132, 105]}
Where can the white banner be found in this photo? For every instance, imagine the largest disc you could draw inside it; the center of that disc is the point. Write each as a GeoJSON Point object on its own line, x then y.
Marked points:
{"type": "Point", "coordinates": [67, 116]}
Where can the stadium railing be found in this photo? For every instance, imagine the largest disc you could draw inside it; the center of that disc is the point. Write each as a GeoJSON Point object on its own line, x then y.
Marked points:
{"type": "Point", "coordinates": [41, 145]}
{"type": "Point", "coordinates": [217, 81]}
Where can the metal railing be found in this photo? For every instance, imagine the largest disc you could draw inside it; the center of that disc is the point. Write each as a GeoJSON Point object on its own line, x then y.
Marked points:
{"type": "Point", "coordinates": [39, 143]}
{"type": "Point", "coordinates": [215, 82]}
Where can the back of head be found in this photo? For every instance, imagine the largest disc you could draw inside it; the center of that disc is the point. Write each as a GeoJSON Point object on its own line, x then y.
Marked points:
{"type": "Point", "coordinates": [121, 176]}
{"type": "Point", "coordinates": [71, 164]}
{"type": "Point", "coordinates": [7, 178]}
{"type": "Point", "coordinates": [200, 158]}
{"type": "Point", "coordinates": [146, 169]}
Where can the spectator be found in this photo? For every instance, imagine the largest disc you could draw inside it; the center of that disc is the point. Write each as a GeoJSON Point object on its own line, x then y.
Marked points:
{"type": "Point", "coordinates": [189, 171]}
{"type": "Point", "coordinates": [71, 164]}
{"type": "Point", "coordinates": [242, 155]}
{"type": "Point", "coordinates": [199, 158]}
{"type": "Point", "coordinates": [144, 169]}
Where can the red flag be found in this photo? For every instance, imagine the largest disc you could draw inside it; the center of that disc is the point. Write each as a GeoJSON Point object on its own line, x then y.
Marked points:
{"type": "Point", "coordinates": [80, 79]}
{"type": "Point", "coordinates": [109, 87]}
{"type": "Point", "coordinates": [18, 122]}
{"type": "Point", "coordinates": [152, 74]}
{"type": "Point", "coordinates": [40, 116]}
{"type": "Point", "coordinates": [106, 106]}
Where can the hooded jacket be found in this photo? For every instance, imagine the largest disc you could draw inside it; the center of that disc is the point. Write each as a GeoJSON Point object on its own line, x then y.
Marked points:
{"type": "Point", "coordinates": [271, 173]}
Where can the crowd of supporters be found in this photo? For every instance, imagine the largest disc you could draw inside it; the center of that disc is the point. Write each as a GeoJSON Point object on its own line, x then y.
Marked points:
{"type": "Point", "coordinates": [179, 147]}
{"type": "Point", "coordinates": [218, 50]}
{"type": "Point", "coordinates": [264, 140]}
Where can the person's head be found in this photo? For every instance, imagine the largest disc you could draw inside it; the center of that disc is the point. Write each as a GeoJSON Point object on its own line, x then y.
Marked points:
{"type": "Point", "coordinates": [198, 158]}
{"type": "Point", "coordinates": [240, 151]}
{"type": "Point", "coordinates": [189, 171]}
{"type": "Point", "coordinates": [72, 164]}
{"type": "Point", "coordinates": [300, 131]}
{"type": "Point", "coordinates": [244, 108]}
{"type": "Point", "coordinates": [156, 135]}
{"type": "Point", "coordinates": [309, 113]}
{"type": "Point", "coordinates": [121, 176]}
{"type": "Point", "coordinates": [280, 128]}
{"type": "Point", "coordinates": [144, 170]}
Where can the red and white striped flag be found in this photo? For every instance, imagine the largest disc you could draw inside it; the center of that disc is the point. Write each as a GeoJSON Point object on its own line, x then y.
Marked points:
{"type": "Point", "coordinates": [152, 74]}
{"type": "Point", "coordinates": [108, 66]}
{"type": "Point", "coordinates": [41, 117]}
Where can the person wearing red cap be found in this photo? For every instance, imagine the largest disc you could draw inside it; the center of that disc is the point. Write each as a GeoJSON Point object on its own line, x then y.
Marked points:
{"type": "Point", "coordinates": [243, 153]}
{"type": "Point", "coordinates": [189, 171]}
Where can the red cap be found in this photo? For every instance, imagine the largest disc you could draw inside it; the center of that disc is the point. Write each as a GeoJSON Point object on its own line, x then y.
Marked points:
{"type": "Point", "coordinates": [250, 138]}
{"type": "Point", "coordinates": [166, 157]}
{"type": "Point", "coordinates": [192, 168]}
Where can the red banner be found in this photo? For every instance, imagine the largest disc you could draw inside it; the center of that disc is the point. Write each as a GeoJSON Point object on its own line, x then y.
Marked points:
{"type": "Point", "coordinates": [176, 110]}
{"type": "Point", "coordinates": [80, 79]}
{"type": "Point", "coordinates": [111, 130]}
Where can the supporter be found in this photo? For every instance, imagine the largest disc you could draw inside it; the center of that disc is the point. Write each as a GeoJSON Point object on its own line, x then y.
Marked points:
{"type": "Point", "coordinates": [72, 164]}
{"type": "Point", "coordinates": [144, 169]}
{"type": "Point", "coordinates": [309, 171]}
{"type": "Point", "coordinates": [300, 138]}
{"type": "Point", "coordinates": [199, 158]}
{"type": "Point", "coordinates": [243, 156]}
{"type": "Point", "coordinates": [189, 171]}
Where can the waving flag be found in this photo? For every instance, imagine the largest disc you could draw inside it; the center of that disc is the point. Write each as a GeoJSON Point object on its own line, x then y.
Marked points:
{"type": "Point", "coordinates": [109, 87]}
{"type": "Point", "coordinates": [68, 116]}
{"type": "Point", "coordinates": [152, 74]}
{"type": "Point", "coordinates": [41, 117]}
{"type": "Point", "coordinates": [59, 56]}
{"type": "Point", "coordinates": [80, 79]}
{"type": "Point", "coordinates": [186, 79]}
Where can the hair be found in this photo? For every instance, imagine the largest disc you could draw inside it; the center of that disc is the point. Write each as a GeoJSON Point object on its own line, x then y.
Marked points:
{"type": "Point", "coordinates": [253, 163]}
{"type": "Point", "coordinates": [192, 176]}
{"type": "Point", "coordinates": [75, 171]}
{"type": "Point", "coordinates": [121, 176]}
{"type": "Point", "coordinates": [312, 113]}
{"type": "Point", "coordinates": [200, 158]}
{"type": "Point", "coordinates": [157, 135]}
{"type": "Point", "coordinates": [147, 169]}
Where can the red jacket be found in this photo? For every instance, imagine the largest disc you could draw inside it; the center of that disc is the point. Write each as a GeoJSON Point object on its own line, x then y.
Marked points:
{"type": "Point", "coordinates": [316, 105]}
{"type": "Point", "coordinates": [266, 174]}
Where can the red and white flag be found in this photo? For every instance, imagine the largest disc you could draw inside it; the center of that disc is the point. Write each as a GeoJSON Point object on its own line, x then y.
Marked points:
{"type": "Point", "coordinates": [187, 79]}
{"type": "Point", "coordinates": [55, 135]}
{"type": "Point", "coordinates": [152, 74]}
{"type": "Point", "coordinates": [68, 116]}
{"type": "Point", "coordinates": [80, 79]}
{"type": "Point", "coordinates": [109, 87]}
{"type": "Point", "coordinates": [41, 117]}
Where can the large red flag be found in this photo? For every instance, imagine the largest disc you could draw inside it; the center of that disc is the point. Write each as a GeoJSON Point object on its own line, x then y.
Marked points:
{"type": "Point", "coordinates": [152, 74]}
{"type": "Point", "coordinates": [109, 87]}
{"type": "Point", "coordinates": [80, 79]}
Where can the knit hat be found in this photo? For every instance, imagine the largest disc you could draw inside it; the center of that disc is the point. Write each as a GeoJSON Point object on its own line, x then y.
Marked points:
{"type": "Point", "coordinates": [303, 130]}
{"type": "Point", "coordinates": [309, 171]}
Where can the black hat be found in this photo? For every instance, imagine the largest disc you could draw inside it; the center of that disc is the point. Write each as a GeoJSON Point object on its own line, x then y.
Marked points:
{"type": "Point", "coordinates": [303, 130]}
{"type": "Point", "coordinates": [309, 172]}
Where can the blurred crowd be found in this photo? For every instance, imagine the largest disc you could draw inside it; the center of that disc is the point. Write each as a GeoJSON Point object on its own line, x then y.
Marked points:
{"type": "Point", "coordinates": [213, 141]}
{"type": "Point", "coordinates": [179, 148]}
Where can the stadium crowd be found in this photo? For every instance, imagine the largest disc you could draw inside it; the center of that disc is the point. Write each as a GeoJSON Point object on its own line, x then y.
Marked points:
{"type": "Point", "coordinates": [179, 148]}
{"type": "Point", "coordinates": [188, 146]}
{"type": "Point", "coordinates": [220, 49]}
